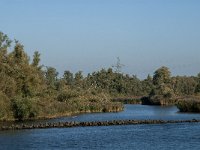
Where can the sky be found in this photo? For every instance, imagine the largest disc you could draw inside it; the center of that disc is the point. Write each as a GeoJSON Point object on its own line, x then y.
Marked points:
{"type": "Point", "coordinates": [88, 35]}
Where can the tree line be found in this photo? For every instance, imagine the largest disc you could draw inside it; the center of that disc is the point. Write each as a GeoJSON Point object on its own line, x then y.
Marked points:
{"type": "Point", "coordinates": [30, 90]}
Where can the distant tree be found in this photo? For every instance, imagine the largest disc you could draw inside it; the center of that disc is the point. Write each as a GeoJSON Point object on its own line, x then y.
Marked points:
{"type": "Point", "coordinates": [162, 76]}
{"type": "Point", "coordinates": [68, 77]}
{"type": "Point", "coordinates": [51, 77]}
{"type": "Point", "coordinates": [5, 42]}
{"type": "Point", "coordinates": [78, 76]}
{"type": "Point", "coordinates": [36, 59]}
{"type": "Point", "coordinates": [78, 79]}
{"type": "Point", "coordinates": [162, 83]}
{"type": "Point", "coordinates": [147, 85]}
{"type": "Point", "coordinates": [18, 55]}
{"type": "Point", "coordinates": [197, 89]}
{"type": "Point", "coordinates": [183, 85]}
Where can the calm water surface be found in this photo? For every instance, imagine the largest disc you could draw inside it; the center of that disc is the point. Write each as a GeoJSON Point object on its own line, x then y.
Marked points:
{"type": "Point", "coordinates": [167, 136]}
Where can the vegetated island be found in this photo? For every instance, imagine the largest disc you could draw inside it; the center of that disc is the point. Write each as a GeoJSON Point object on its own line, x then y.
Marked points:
{"type": "Point", "coordinates": [30, 91]}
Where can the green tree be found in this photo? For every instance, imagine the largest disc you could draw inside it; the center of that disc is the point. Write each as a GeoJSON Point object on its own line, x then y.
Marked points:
{"type": "Point", "coordinates": [68, 77]}
{"type": "Point", "coordinates": [5, 42]}
{"type": "Point", "coordinates": [36, 59]}
{"type": "Point", "coordinates": [147, 85]}
{"type": "Point", "coordinates": [19, 56]}
{"type": "Point", "coordinates": [162, 83]}
{"type": "Point", "coordinates": [24, 108]}
{"type": "Point", "coordinates": [78, 79]}
{"type": "Point", "coordinates": [51, 77]}
{"type": "Point", "coordinates": [162, 76]}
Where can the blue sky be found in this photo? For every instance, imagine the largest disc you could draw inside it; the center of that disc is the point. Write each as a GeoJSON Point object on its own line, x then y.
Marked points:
{"type": "Point", "coordinates": [89, 35]}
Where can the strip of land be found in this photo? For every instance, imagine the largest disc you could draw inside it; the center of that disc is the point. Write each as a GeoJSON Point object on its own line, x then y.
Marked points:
{"type": "Point", "coordinates": [94, 123]}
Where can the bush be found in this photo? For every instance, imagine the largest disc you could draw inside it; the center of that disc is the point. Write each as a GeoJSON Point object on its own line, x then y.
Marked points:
{"type": "Point", "coordinates": [66, 95]}
{"type": "Point", "coordinates": [188, 105]}
{"type": "Point", "coordinates": [5, 110]}
{"type": "Point", "coordinates": [24, 108]}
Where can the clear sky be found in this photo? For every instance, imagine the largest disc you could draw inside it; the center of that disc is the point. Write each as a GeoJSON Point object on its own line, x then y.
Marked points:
{"type": "Point", "coordinates": [89, 35]}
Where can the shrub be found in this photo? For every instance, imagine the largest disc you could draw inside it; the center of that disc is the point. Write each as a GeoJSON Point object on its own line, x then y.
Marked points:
{"type": "Point", "coordinates": [5, 110]}
{"type": "Point", "coordinates": [24, 108]}
{"type": "Point", "coordinates": [66, 95]}
{"type": "Point", "coordinates": [188, 105]}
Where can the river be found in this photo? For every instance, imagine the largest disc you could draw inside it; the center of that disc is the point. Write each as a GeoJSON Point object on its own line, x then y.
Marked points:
{"type": "Point", "coordinates": [161, 136]}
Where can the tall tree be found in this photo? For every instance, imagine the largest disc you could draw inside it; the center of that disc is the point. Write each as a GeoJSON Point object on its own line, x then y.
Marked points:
{"type": "Point", "coordinates": [161, 75]}
{"type": "Point", "coordinates": [5, 42]}
{"type": "Point", "coordinates": [36, 59]}
{"type": "Point", "coordinates": [18, 55]}
{"type": "Point", "coordinates": [78, 79]}
{"type": "Point", "coordinates": [162, 83]}
{"type": "Point", "coordinates": [68, 77]}
{"type": "Point", "coordinates": [51, 77]}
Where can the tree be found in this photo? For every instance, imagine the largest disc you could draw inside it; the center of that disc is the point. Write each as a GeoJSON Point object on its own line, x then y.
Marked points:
{"type": "Point", "coordinates": [68, 77]}
{"type": "Point", "coordinates": [147, 85]}
{"type": "Point", "coordinates": [162, 83]}
{"type": "Point", "coordinates": [18, 55]}
{"type": "Point", "coordinates": [51, 77]}
{"type": "Point", "coordinates": [197, 89]}
{"type": "Point", "coordinates": [5, 42]}
{"type": "Point", "coordinates": [162, 76]}
{"type": "Point", "coordinates": [36, 59]}
{"type": "Point", "coordinates": [78, 79]}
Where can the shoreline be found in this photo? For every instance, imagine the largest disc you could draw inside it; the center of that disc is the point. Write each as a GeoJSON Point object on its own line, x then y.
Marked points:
{"type": "Point", "coordinates": [59, 115]}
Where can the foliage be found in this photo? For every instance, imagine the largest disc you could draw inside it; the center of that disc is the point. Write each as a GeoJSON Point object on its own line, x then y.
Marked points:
{"type": "Point", "coordinates": [189, 105]}
{"type": "Point", "coordinates": [5, 109]}
{"type": "Point", "coordinates": [24, 108]}
{"type": "Point", "coordinates": [27, 90]}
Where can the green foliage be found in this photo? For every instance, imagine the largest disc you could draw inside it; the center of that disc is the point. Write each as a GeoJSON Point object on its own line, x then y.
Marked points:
{"type": "Point", "coordinates": [51, 76]}
{"type": "Point", "coordinates": [68, 78]}
{"type": "Point", "coordinates": [33, 92]}
{"type": "Point", "coordinates": [161, 88]}
{"type": "Point", "coordinates": [36, 59]}
{"type": "Point", "coordinates": [24, 108]}
{"type": "Point", "coordinates": [5, 109]}
{"type": "Point", "coordinates": [161, 76]}
{"type": "Point", "coordinates": [5, 42]}
{"type": "Point", "coordinates": [147, 85]}
{"type": "Point", "coordinates": [78, 79]}
{"type": "Point", "coordinates": [184, 85]}
{"type": "Point", "coordinates": [18, 55]}
{"type": "Point", "coordinates": [63, 96]}
{"type": "Point", "coordinates": [189, 105]}
{"type": "Point", "coordinates": [114, 83]}
{"type": "Point", "coordinates": [197, 89]}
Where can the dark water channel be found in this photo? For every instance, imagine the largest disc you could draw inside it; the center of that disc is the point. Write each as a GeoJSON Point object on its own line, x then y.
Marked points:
{"type": "Point", "coordinates": [162, 136]}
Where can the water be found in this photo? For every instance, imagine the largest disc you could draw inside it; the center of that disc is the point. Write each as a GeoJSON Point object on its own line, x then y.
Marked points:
{"type": "Point", "coordinates": [162, 136]}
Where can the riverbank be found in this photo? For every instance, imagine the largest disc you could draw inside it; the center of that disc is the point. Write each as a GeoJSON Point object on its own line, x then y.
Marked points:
{"type": "Point", "coordinates": [75, 108]}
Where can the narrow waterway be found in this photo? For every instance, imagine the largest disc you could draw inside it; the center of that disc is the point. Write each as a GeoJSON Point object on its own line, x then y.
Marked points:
{"type": "Point", "coordinates": [162, 136]}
